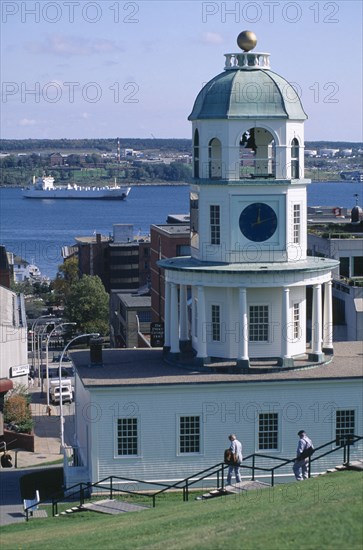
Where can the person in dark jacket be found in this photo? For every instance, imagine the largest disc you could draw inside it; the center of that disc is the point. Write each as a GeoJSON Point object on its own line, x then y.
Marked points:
{"type": "Point", "coordinates": [6, 460]}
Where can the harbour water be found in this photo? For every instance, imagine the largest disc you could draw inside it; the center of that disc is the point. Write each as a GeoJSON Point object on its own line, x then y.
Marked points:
{"type": "Point", "coordinates": [37, 230]}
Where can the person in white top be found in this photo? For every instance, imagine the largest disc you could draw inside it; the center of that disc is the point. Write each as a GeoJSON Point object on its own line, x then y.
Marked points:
{"type": "Point", "coordinates": [300, 467]}
{"type": "Point", "coordinates": [236, 450]}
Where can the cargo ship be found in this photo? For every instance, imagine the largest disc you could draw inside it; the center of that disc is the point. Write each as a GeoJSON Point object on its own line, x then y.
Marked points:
{"type": "Point", "coordinates": [44, 188]}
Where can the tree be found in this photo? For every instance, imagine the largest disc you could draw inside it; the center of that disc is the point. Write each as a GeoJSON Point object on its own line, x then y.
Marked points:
{"type": "Point", "coordinates": [17, 412]}
{"type": "Point", "coordinates": [67, 275]}
{"type": "Point", "coordinates": [87, 305]}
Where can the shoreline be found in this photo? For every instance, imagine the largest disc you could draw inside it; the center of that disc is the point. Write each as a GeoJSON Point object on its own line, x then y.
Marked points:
{"type": "Point", "coordinates": [172, 183]}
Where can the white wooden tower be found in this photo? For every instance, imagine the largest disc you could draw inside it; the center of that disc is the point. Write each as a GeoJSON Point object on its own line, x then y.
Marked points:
{"type": "Point", "coordinates": [241, 295]}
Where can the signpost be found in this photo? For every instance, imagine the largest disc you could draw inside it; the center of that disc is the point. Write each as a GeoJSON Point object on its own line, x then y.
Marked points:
{"type": "Point", "coordinates": [19, 371]}
{"type": "Point", "coordinates": [157, 335]}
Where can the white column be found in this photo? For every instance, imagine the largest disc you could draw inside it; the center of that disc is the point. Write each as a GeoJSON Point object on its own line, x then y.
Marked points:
{"type": "Point", "coordinates": [167, 316]}
{"type": "Point", "coordinates": [202, 340]}
{"type": "Point", "coordinates": [183, 313]}
{"type": "Point", "coordinates": [328, 318]}
{"type": "Point", "coordinates": [243, 342]}
{"type": "Point", "coordinates": [174, 319]}
{"type": "Point", "coordinates": [285, 333]}
{"type": "Point", "coordinates": [283, 168]}
{"type": "Point", "coordinates": [316, 321]}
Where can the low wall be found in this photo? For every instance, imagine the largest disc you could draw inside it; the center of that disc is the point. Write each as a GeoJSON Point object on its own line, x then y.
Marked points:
{"type": "Point", "coordinates": [16, 440]}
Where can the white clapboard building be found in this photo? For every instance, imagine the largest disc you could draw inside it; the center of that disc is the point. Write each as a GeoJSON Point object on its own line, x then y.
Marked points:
{"type": "Point", "coordinates": [237, 356]}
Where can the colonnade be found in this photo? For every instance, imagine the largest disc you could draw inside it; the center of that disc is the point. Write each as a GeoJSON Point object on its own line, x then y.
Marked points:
{"type": "Point", "coordinates": [177, 328]}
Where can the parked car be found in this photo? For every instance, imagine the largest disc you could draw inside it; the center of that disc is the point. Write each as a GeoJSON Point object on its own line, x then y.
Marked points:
{"type": "Point", "coordinates": [55, 391]}
{"type": "Point", "coordinates": [57, 358]}
{"type": "Point", "coordinates": [53, 372]}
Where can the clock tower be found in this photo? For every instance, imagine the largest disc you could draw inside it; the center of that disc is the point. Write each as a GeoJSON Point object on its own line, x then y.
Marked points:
{"type": "Point", "coordinates": [242, 294]}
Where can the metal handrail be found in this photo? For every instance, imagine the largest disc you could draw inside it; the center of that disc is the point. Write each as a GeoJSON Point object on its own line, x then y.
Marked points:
{"type": "Point", "coordinates": [80, 489]}
{"type": "Point", "coordinates": [284, 461]}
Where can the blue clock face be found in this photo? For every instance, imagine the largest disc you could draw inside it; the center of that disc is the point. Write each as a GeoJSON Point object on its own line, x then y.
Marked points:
{"type": "Point", "coordinates": [258, 222]}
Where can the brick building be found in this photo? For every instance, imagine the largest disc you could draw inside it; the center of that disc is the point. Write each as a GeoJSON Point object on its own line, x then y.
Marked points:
{"type": "Point", "coordinates": [167, 241]}
{"type": "Point", "coordinates": [122, 261]}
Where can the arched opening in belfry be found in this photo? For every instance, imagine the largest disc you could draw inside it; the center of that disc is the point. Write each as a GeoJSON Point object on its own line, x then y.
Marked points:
{"type": "Point", "coordinates": [257, 154]}
{"type": "Point", "coordinates": [196, 153]}
{"type": "Point", "coordinates": [295, 167]}
{"type": "Point", "coordinates": [215, 158]}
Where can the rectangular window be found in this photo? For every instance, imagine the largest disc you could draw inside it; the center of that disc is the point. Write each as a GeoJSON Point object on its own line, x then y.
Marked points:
{"type": "Point", "coordinates": [144, 316]}
{"type": "Point", "coordinates": [296, 321]}
{"type": "Point", "coordinates": [268, 425]}
{"type": "Point", "coordinates": [189, 434]}
{"type": "Point", "coordinates": [358, 266]}
{"type": "Point", "coordinates": [296, 223]}
{"type": "Point", "coordinates": [338, 311]}
{"type": "Point", "coordinates": [182, 250]}
{"type": "Point", "coordinates": [215, 224]}
{"type": "Point", "coordinates": [344, 267]}
{"type": "Point", "coordinates": [127, 437]}
{"type": "Point", "coordinates": [344, 426]}
{"type": "Point", "coordinates": [194, 220]}
{"type": "Point", "coordinates": [259, 324]}
{"type": "Point", "coordinates": [216, 323]}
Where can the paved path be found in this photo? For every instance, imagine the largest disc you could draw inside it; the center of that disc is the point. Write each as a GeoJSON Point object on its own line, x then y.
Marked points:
{"type": "Point", "coordinates": [47, 449]}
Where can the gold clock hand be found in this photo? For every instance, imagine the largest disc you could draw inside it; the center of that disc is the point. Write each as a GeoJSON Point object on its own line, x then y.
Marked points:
{"type": "Point", "coordinates": [262, 221]}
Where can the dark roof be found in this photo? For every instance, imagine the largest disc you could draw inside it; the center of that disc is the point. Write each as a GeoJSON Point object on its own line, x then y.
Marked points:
{"type": "Point", "coordinates": [227, 96]}
{"type": "Point", "coordinates": [145, 367]}
{"type": "Point", "coordinates": [134, 300]}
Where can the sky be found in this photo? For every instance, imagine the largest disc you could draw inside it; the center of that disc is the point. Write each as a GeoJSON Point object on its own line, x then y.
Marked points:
{"type": "Point", "coordinates": [84, 69]}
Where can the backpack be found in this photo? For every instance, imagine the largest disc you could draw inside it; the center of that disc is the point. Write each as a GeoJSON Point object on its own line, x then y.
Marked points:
{"type": "Point", "coordinates": [230, 458]}
{"type": "Point", "coordinates": [307, 452]}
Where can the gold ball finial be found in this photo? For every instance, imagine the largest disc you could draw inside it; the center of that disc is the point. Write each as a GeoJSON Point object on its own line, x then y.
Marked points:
{"type": "Point", "coordinates": [247, 40]}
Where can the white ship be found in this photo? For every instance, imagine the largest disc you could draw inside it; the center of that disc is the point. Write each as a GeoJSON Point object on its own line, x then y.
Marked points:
{"type": "Point", "coordinates": [44, 188]}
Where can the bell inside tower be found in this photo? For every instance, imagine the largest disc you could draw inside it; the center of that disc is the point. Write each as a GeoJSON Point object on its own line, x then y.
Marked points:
{"type": "Point", "coordinates": [257, 154]}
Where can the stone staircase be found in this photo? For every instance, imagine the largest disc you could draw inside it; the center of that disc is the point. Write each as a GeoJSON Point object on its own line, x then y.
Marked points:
{"type": "Point", "coordinates": [237, 488]}
{"type": "Point", "coordinates": [253, 485]}
{"type": "Point", "coordinates": [112, 506]}
{"type": "Point", "coordinates": [356, 466]}
{"type": "Point", "coordinates": [107, 506]}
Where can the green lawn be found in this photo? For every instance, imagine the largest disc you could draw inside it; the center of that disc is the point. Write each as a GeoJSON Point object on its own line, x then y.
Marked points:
{"type": "Point", "coordinates": [323, 513]}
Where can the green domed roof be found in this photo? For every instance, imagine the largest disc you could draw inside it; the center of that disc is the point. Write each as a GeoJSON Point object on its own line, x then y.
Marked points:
{"type": "Point", "coordinates": [239, 94]}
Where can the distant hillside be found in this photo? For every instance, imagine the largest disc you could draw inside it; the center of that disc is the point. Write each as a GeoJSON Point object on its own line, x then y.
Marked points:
{"type": "Point", "coordinates": [98, 145]}
{"type": "Point", "coordinates": [142, 144]}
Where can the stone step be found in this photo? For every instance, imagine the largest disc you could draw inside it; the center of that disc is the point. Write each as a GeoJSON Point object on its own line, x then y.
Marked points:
{"type": "Point", "coordinates": [233, 489]}
{"type": "Point", "coordinates": [355, 465]}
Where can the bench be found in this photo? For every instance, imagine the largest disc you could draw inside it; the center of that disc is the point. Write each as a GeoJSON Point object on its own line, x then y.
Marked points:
{"type": "Point", "coordinates": [30, 505]}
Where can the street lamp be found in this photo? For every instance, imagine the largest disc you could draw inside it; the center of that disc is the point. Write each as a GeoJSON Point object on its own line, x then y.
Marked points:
{"type": "Point", "coordinates": [90, 335]}
{"type": "Point", "coordinates": [47, 355]}
{"type": "Point", "coordinates": [33, 331]}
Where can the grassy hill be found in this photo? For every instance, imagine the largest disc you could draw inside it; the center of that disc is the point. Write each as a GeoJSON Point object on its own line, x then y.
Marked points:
{"type": "Point", "coordinates": [321, 513]}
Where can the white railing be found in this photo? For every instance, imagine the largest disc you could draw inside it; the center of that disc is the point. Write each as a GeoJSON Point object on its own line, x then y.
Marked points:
{"type": "Point", "coordinates": [247, 60]}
